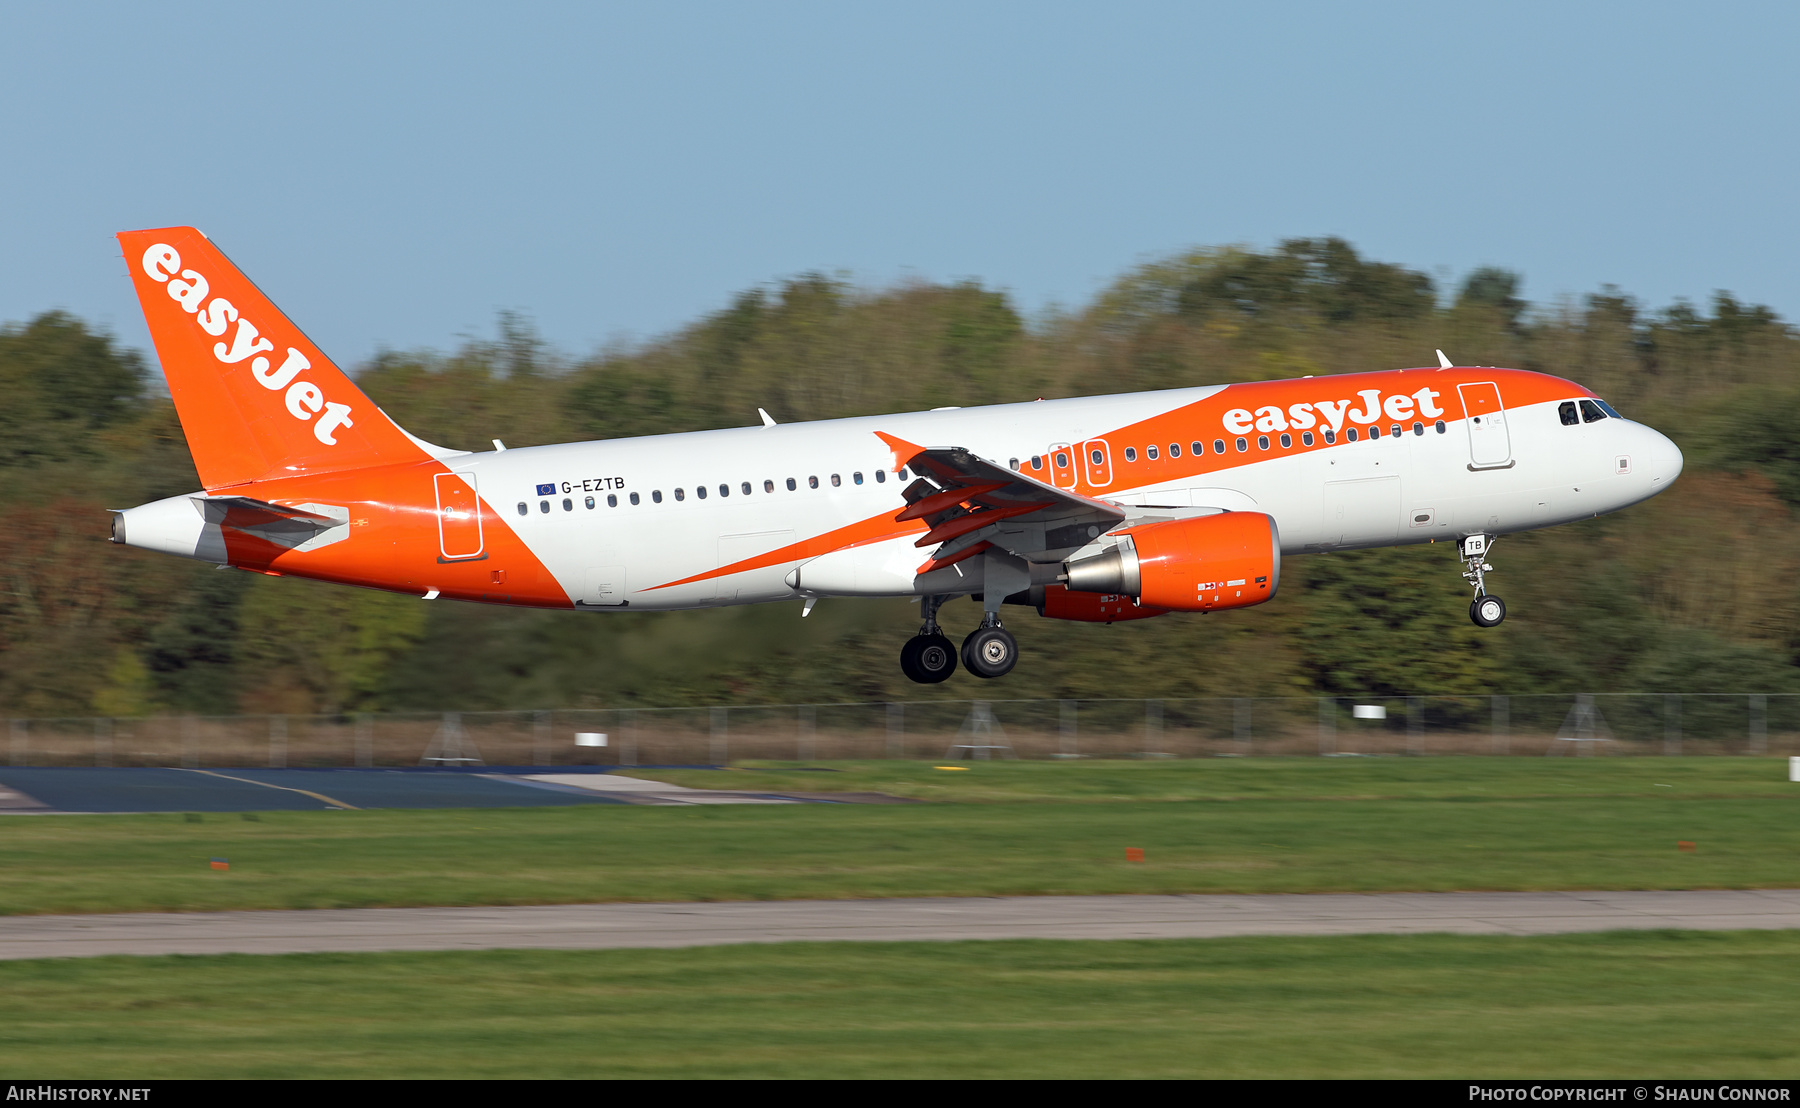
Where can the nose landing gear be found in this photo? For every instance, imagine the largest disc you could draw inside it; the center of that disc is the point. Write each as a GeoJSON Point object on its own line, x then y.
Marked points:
{"type": "Point", "coordinates": [1486, 610]}
{"type": "Point", "coordinates": [928, 656]}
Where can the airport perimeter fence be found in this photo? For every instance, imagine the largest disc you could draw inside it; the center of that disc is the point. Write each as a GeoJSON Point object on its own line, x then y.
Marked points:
{"type": "Point", "coordinates": [1573, 725]}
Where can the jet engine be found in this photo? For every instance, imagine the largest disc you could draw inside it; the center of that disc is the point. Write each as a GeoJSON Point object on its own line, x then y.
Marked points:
{"type": "Point", "coordinates": [1059, 602]}
{"type": "Point", "coordinates": [1209, 563]}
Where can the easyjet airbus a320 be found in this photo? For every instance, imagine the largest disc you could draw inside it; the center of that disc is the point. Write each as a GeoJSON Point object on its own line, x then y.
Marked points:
{"type": "Point", "coordinates": [1099, 508]}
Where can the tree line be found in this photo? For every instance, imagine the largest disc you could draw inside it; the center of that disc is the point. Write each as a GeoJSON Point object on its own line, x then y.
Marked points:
{"type": "Point", "coordinates": [1693, 591]}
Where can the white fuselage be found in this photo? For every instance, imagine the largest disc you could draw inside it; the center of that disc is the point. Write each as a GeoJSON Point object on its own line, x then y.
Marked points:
{"type": "Point", "coordinates": [1383, 492]}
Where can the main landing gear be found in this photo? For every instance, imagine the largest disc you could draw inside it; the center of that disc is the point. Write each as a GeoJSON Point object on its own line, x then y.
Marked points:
{"type": "Point", "coordinates": [1486, 610]}
{"type": "Point", "coordinates": [928, 656]}
{"type": "Point", "coordinates": [989, 651]}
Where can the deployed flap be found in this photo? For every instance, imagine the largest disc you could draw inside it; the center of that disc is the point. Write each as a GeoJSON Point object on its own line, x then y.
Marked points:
{"type": "Point", "coordinates": [1014, 511]}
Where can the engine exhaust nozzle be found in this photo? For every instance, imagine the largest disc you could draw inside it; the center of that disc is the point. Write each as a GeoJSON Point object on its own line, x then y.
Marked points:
{"type": "Point", "coordinates": [1115, 571]}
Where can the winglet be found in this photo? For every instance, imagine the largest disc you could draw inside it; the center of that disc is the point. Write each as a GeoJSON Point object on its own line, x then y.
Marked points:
{"type": "Point", "coordinates": [1443, 362]}
{"type": "Point", "coordinates": [904, 451]}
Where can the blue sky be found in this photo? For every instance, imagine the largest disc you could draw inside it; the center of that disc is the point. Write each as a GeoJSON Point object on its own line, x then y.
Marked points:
{"type": "Point", "coordinates": [395, 174]}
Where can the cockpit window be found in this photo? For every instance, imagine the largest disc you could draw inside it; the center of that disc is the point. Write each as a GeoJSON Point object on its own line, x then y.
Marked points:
{"type": "Point", "coordinates": [1609, 409]}
{"type": "Point", "coordinates": [1590, 412]}
{"type": "Point", "coordinates": [1566, 412]}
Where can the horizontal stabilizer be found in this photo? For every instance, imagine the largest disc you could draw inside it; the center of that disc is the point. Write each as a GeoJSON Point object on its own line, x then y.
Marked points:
{"type": "Point", "coordinates": [304, 527]}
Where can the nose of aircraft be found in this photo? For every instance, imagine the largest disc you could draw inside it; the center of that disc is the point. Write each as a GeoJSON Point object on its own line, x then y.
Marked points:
{"type": "Point", "coordinates": [1660, 458]}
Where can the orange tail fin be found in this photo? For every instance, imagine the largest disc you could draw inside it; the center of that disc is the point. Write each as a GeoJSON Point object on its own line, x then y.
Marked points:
{"type": "Point", "coordinates": [256, 398]}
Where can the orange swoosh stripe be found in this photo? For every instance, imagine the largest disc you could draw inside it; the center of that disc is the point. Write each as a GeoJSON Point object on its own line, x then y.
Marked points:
{"type": "Point", "coordinates": [864, 531]}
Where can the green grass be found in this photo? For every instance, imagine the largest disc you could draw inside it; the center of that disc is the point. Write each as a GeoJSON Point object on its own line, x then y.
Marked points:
{"type": "Point", "coordinates": [1681, 1004]}
{"type": "Point", "coordinates": [1362, 778]}
{"type": "Point", "coordinates": [1218, 826]}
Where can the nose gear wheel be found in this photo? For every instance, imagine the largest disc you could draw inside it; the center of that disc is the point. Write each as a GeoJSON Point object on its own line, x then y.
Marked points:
{"type": "Point", "coordinates": [1486, 610]}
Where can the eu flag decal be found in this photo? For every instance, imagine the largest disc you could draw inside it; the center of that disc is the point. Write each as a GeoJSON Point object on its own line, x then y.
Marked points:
{"type": "Point", "coordinates": [546, 490]}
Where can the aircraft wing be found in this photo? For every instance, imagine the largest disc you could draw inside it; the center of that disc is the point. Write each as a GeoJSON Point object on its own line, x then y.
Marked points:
{"type": "Point", "coordinates": [972, 503]}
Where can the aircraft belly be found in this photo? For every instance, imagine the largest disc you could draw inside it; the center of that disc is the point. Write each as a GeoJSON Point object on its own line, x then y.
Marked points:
{"type": "Point", "coordinates": [876, 569]}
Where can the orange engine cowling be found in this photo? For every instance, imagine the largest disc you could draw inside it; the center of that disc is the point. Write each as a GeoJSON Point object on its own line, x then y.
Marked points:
{"type": "Point", "coordinates": [1230, 560]}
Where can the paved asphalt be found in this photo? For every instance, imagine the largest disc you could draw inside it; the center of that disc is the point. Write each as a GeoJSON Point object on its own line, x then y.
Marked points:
{"type": "Point", "coordinates": [47, 789]}
{"type": "Point", "coordinates": [612, 926]}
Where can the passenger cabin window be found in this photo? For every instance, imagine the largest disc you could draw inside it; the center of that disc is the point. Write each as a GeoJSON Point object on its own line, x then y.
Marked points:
{"type": "Point", "coordinates": [837, 482]}
{"type": "Point", "coordinates": [1094, 456]}
{"type": "Point", "coordinates": [1014, 462]}
{"type": "Point", "coordinates": [1218, 446]}
{"type": "Point", "coordinates": [1418, 429]}
{"type": "Point", "coordinates": [744, 488]}
{"type": "Point", "coordinates": [523, 509]}
{"type": "Point", "coordinates": [1306, 438]}
{"type": "Point", "coordinates": [700, 491]}
{"type": "Point", "coordinates": [1262, 442]}
{"type": "Point", "coordinates": [1566, 412]}
{"type": "Point", "coordinates": [881, 477]}
{"type": "Point", "coordinates": [724, 490]}
{"type": "Point", "coordinates": [812, 482]}
{"type": "Point", "coordinates": [568, 504]}
{"type": "Point", "coordinates": [856, 477]}
{"type": "Point", "coordinates": [768, 486]}
{"type": "Point", "coordinates": [1440, 426]}
{"type": "Point", "coordinates": [634, 498]}
{"type": "Point", "coordinates": [1590, 412]}
{"type": "Point", "coordinates": [1199, 448]}
{"type": "Point", "coordinates": [1395, 430]}
{"type": "Point", "coordinates": [656, 496]}
{"type": "Point", "coordinates": [1350, 435]}
{"type": "Point", "coordinates": [543, 505]}
{"type": "Point", "coordinates": [1037, 461]}
{"type": "Point", "coordinates": [1287, 441]}
{"type": "Point", "coordinates": [1374, 432]}
{"type": "Point", "coordinates": [1243, 445]}
{"type": "Point", "coordinates": [1062, 461]}
{"type": "Point", "coordinates": [612, 500]}
{"type": "Point", "coordinates": [791, 484]}
{"type": "Point", "coordinates": [1150, 452]}
{"type": "Point", "coordinates": [680, 495]}
{"type": "Point", "coordinates": [590, 503]}
{"type": "Point", "coordinates": [1130, 455]}
{"type": "Point", "coordinates": [1174, 450]}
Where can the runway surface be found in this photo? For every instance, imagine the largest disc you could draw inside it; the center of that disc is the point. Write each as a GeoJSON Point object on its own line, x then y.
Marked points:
{"type": "Point", "coordinates": [616, 926]}
{"type": "Point", "coordinates": [45, 790]}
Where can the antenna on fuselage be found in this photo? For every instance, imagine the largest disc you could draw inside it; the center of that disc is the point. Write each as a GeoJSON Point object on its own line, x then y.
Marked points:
{"type": "Point", "coordinates": [769, 420]}
{"type": "Point", "coordinates": [1443, 363]}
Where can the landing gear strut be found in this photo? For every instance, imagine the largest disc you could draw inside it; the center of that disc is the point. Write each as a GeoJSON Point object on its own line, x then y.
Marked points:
{"type": "Point", "coordinates": [928, 656]}
{"type": "Point", "coordinates": [1486, 610]}
{"type": "Point", "coordinates": [990, 650]}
